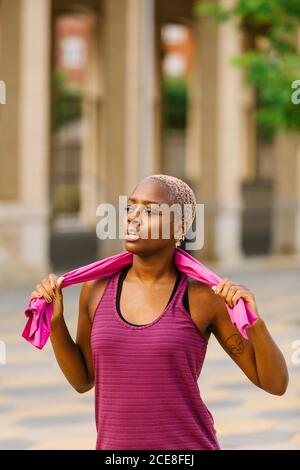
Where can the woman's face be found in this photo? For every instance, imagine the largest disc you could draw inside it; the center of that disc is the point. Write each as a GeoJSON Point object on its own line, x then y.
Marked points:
{"type": "Point", "coordinates": [147, 222]}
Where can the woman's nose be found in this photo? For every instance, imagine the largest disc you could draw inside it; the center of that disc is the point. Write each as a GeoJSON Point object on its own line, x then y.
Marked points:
{"type": "Point", "coordinates": [134, 215]}
{"type": "Point", "coordinates": [133, 222]}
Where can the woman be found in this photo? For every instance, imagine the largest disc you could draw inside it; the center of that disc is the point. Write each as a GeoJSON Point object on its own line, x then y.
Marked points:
{"type": "Point", "coordinates": [144, 364]}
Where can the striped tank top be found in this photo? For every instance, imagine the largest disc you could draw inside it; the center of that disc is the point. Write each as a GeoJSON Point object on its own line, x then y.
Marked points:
{"type": "Point", "coordinates": [146, 391]}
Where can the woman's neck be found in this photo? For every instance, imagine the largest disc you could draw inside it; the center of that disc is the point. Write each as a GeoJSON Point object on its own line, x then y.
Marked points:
{"type": "Point", "coordinates": [153, 268]}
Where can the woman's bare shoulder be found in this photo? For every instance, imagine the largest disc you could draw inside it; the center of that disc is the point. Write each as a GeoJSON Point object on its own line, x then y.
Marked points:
{"type": "Point", "coordinates": [92, 291]}
{"type": "Point", "coordinates": [197, 288]}
{"type": "Point", "coordinates": [201, 294]}
{"type": "Point", "coordinates": [201, 304]}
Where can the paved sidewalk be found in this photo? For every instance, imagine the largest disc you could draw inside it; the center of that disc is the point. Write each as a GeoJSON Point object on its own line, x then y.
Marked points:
{"type": "Point", "coordinates": [40, 410]}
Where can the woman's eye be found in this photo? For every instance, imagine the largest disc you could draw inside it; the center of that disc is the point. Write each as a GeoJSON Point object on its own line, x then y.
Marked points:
{"type": "Point", "coordinates": [146, 210]}
{"type": "Point", "coordinates": [154, 211]}
{"type": "Point", "coordinates": [131, 209]}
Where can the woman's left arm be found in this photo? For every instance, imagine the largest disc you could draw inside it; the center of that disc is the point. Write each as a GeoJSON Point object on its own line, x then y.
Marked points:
{"type": "Point", "coordinates": [259, 356]}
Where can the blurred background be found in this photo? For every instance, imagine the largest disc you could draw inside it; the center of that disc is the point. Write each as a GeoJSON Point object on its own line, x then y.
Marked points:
{"type": "Point", "coordinates": [98, 95]}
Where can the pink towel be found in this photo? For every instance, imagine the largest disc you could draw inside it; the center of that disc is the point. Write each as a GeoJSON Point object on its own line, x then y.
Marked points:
{"type": "Point", "coordinates": [39, 312]}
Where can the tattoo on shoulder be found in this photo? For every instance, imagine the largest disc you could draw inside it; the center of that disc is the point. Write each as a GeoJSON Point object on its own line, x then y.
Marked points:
{"type": "Point", "coordinates": [235, 345]}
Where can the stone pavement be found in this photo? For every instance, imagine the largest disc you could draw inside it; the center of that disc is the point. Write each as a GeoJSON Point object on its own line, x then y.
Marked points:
{"type": "Point", "coordinates": [40, 410]}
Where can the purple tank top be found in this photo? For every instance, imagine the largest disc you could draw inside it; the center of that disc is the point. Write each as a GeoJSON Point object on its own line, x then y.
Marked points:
{"type": "Point", "coordinates": [146, 391]}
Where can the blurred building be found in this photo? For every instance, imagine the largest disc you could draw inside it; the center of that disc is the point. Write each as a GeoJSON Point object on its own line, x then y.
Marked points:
{"type": "Point", "coordinates": [72, 36]}
{"type": "Point", "coordinates": [99, 94]}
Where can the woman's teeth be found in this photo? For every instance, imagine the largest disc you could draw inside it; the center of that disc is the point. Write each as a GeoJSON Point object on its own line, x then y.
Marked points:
{"type": "Point", "coordinates": [131, 236]}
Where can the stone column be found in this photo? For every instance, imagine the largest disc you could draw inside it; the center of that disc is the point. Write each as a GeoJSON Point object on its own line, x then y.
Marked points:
{"type": "Point", "coordinates": [194, 118]}
{"type": "Point", "coordinates": [114, 82]}
{"type": "Point", "coordinates": [157, 106]}
{"type": "Point", "coordinates": [140, 92]}
{"type": "Point", "coordinates": [286, 204]}
{"type": "Point", "coordinates": [228, 171]}
{"type": "Point", "coordinates": [93, 149]}
{"type": "Point", "coordinates": [129, 100]}
{"type": "Point", "coordinates": [220, 189]}
{"type": "Point", "coordinates": [24, 210]}
{"type": "Point", "coordinates": [9, 73]}
{"type": "Point", "coordinates": [34, 129]}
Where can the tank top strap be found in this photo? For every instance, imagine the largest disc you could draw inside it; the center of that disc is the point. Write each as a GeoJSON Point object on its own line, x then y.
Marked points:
{"type": "Point", "coordinates": [180, 291]}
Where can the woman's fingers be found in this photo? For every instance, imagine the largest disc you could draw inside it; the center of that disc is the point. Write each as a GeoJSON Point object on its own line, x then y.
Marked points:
{"type": "Point", "coordinates": [44, 288]}
{"type": "Point", "coordinates": [228, 292]}
{"type": "Point", "coordinates": [41, 290]}
{"type": "Point", "coordinates": [232, 291]}
{"type": "Point", "coordinates": [59, 282]}
{"type": "Point", "coordinates": [236, 296]}
{"type": "Point", "coordinates": [34, 294]}
{"type": "Point", "coordinates": [219, 287]}
{"type": "Point", "coordinates": [227, 289]}
{"type": "Point", "coordinates": [47, 286]}
{"type": "Point", "coordinates": [52, 279]}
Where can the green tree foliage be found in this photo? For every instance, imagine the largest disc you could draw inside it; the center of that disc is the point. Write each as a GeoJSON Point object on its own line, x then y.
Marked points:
{"type": "Point", "coordinates": [175, 97]}
{"type": "Point", "coordinates": [272, 62]}
{"type": "Point", "coordinates": [66, 101]}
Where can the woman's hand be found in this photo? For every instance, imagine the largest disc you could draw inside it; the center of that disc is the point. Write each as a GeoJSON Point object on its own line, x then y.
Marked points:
{"type": "Point", "coordinates": [232, 292]}
{"type": "Point", "coordinates": [259, 356]}
{"type": "Point", "coordinates": [50, 289]}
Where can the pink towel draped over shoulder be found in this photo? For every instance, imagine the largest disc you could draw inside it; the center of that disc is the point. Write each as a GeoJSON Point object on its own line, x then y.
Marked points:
{"type": "Point", "coordinates": [39, 312]}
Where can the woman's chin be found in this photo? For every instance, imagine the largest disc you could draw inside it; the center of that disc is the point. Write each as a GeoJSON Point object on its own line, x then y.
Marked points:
{"type": "Point", "coordinates": [132, 246]}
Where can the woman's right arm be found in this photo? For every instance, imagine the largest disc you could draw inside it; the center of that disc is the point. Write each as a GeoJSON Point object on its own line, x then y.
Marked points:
{"type": "Point", "coordinates": [74, 358]}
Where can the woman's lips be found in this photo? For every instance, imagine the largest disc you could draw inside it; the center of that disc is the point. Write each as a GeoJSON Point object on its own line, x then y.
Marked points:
{"type": "Point", "coordinates": [131, 237]}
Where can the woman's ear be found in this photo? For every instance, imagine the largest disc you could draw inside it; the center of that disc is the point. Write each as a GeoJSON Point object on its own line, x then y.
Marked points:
{"type": "Point", "coordinates": [177, 230]}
